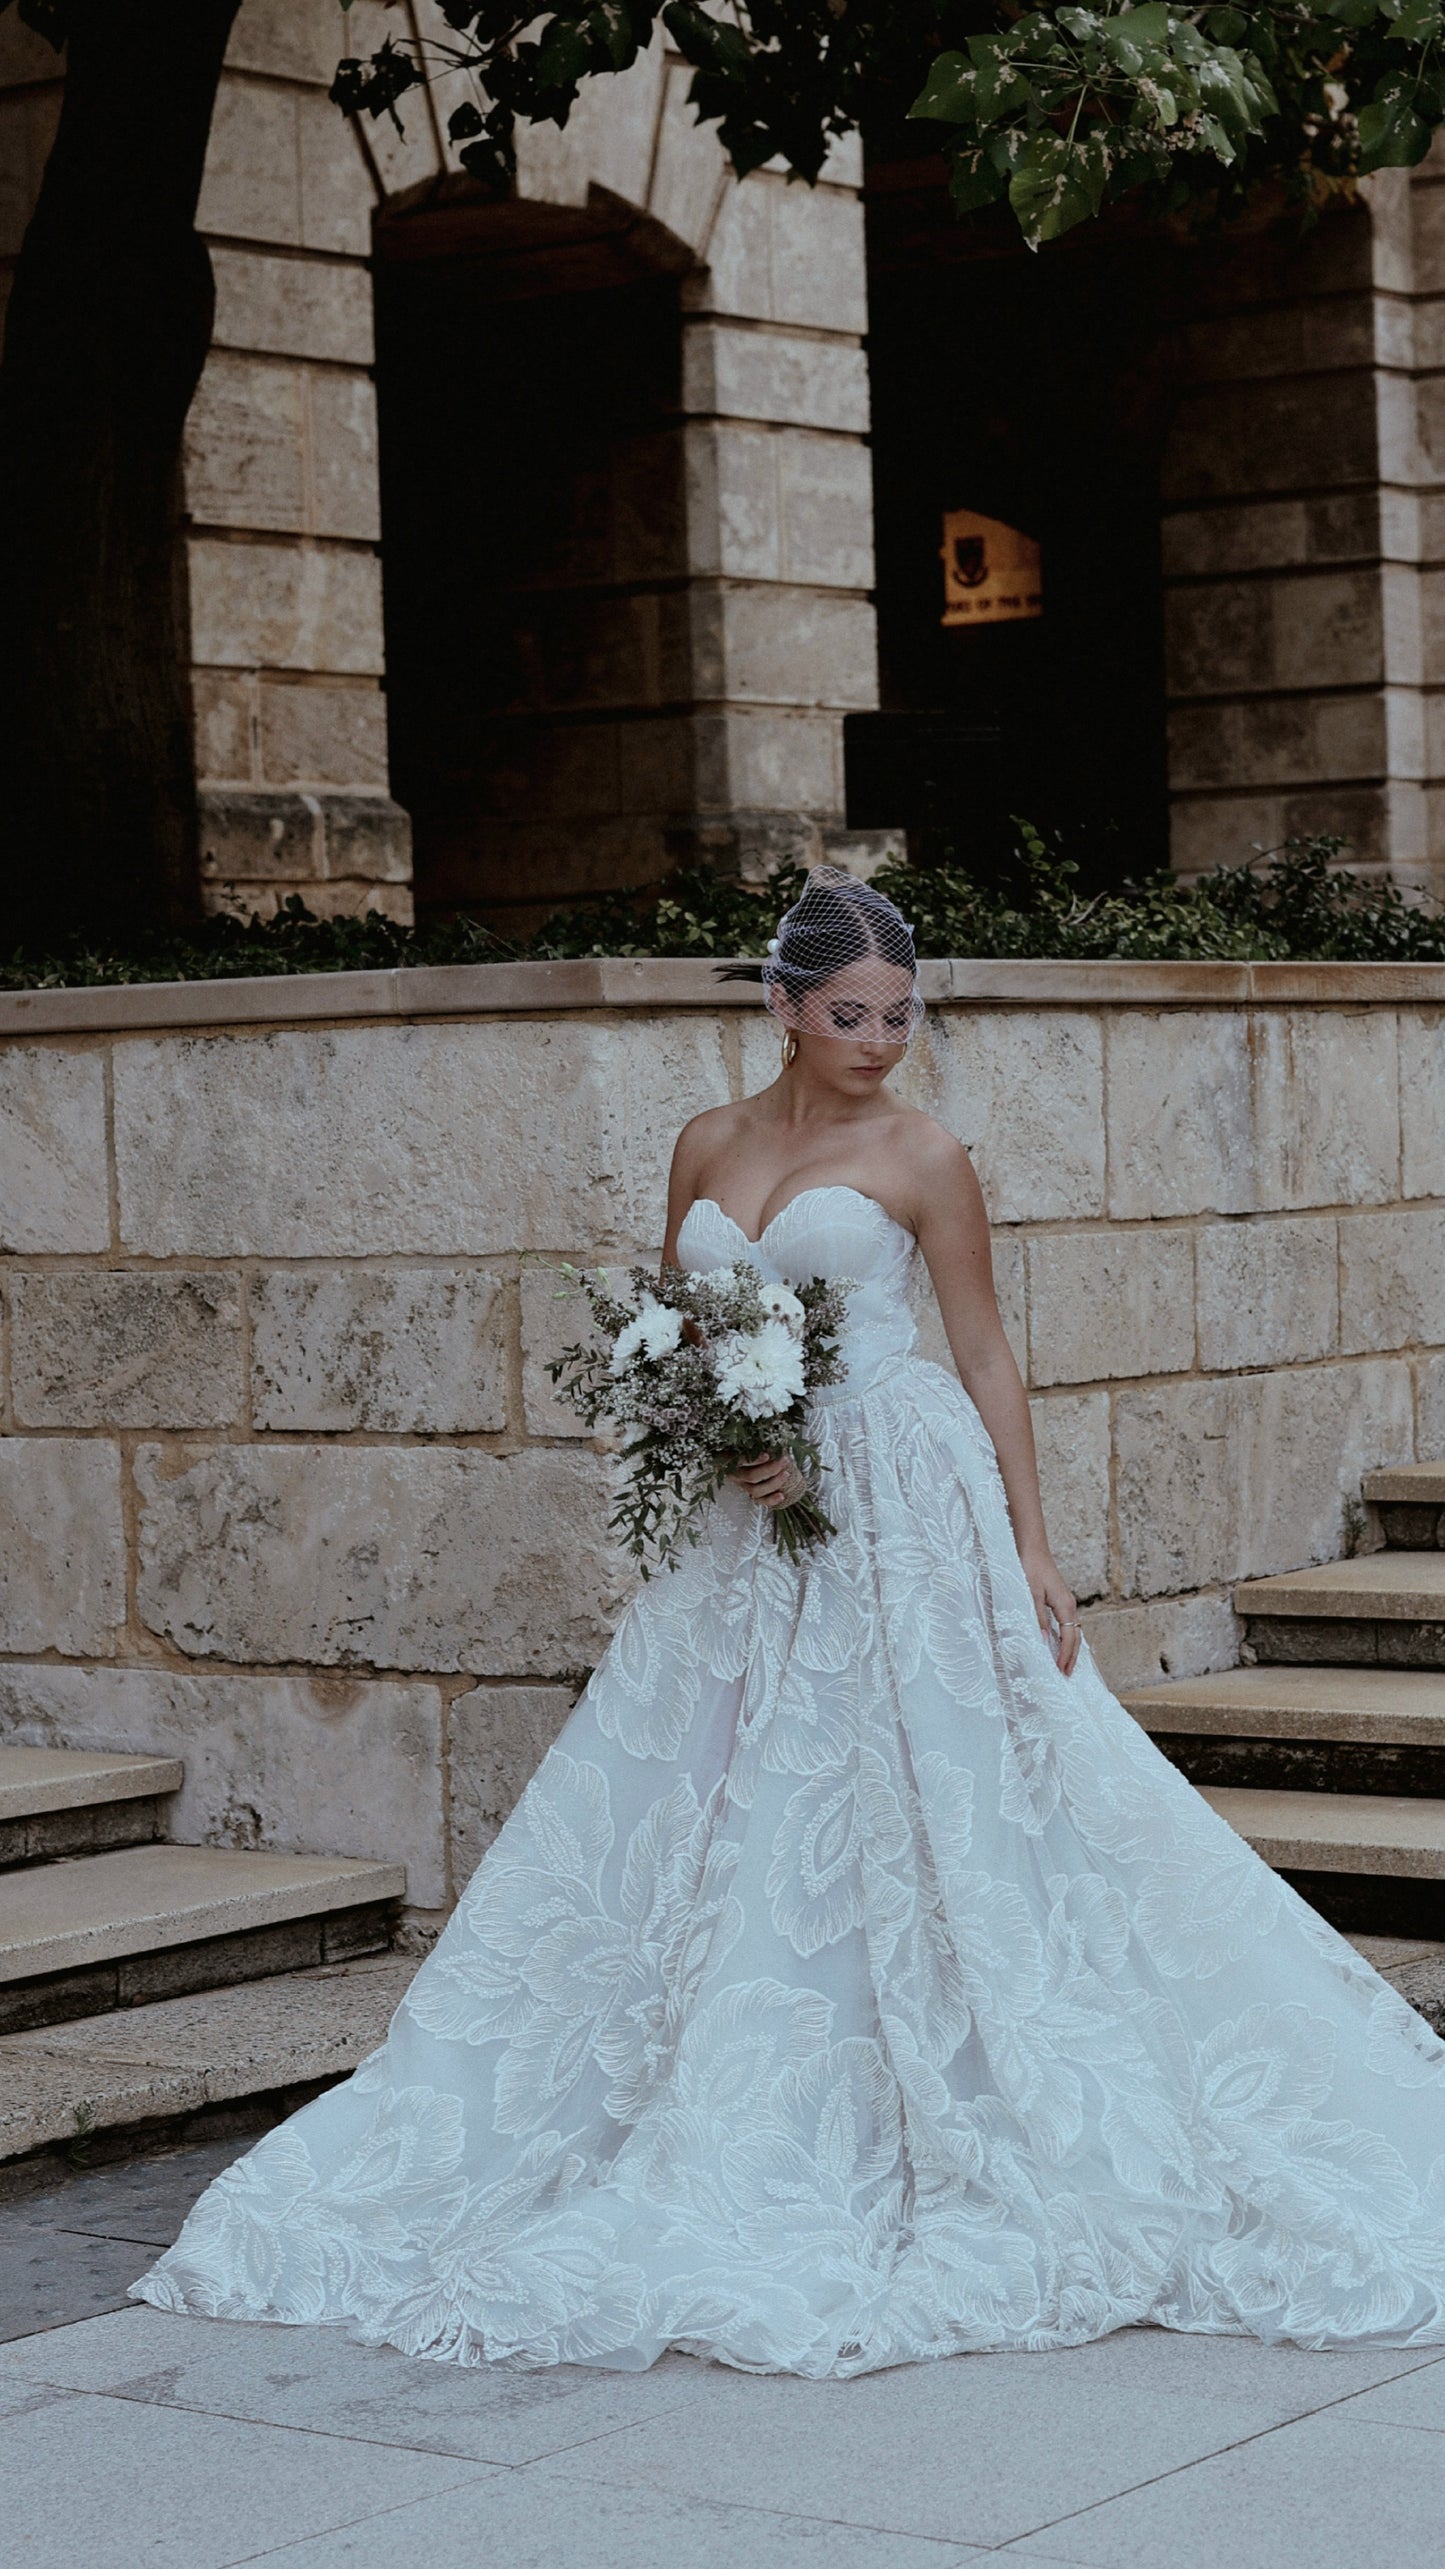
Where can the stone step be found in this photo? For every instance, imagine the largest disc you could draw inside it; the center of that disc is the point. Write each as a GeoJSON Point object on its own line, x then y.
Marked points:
{"type": "Point", "coordinates": [1386, 1609]}
{"type": "Point", "coordinates": [1410, 1499]}
{"type": "Point", "coordinates": [1369, 1862]}
{"type": "Point", "coordinates": [97, 1932]}
{"type": "Point", "coordinates": [165, 2063]}
{"type": "Point", "coordinates": [1333, 1730]}
{"type": "Point", "coordinates": [61, 1801]}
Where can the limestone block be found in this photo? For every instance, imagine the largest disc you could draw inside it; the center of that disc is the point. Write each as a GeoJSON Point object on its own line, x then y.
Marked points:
{"type": "Point", "coordinates": [52, 1150]}
{"type": "Point", "coordinates": [784, 646]}
{"type": "Point", "coordinates": [317, 735]}
{"type": "Point", "coordinates": [1236, 440]}
{"type": "Point", "coordinates": [426, 1140]}
{"type": "Point", "coordinates": [826, 490]}
{"type": "Point", "coordinates": [1422, 1100]}
{"type": "Point", "coordinates": [285, 606]}
{"type": "Point", "coordinates": [1205, 830]}
{"type": "Point", "coordinates": [300, 1765]}
{"type": "Point", "coordinates": [394, 1349]}
{"type": "Point", "coordinates": [337, 194]}
{"type": "Point", "coordinates": [406, 153]}
{"type": "Point", "coordinates": [1430, 1408]}
{"type": "Point", "coordinates": [689, 171]}
{"type": "Point", "coordinates": [125, 1350]}
{"type": "Point", "coordinates": [259, 836]}
{"type": "Point", "coordinates": [1103, 1303]}
{"type": "Point", "coordinates": [606, 142]}
{"type": "Point", "coordinates": [1268, 1293]}
{"type": "Point", "coordinates": [292, 307]}
{"type": "Point", "coordinates": [1217, 638]}
{"type": "Point", "coordinates": [1327, 1116]}
{"type": "Point", "coordinates": [62, 1546]}
{"type": "Point", "coordinates": [819, 269]}
{"type": "Point", "coordinates": [498, 1736]}
{"type": "Point", "coordinates": [225, 718]}
{"type": "Point", "coordinates": [365, 837]}
{"type": "Point", "coordinates": [1392, 1279]}
{"type": "Point", "coordinates": [738, 276]}
{"type": "Point", "coordinates": [1178, 1092]}
{"type": "Point", "coordinates": [343, 456]}
{"type": "Point", "coordinates": [1229, 1479]}
{"type": "Point", "coordinates": [301, 39]}
{"type": "Point", "coordinates": [1071, 1433]}
{"type": "Point", "coordinates": [555, 1317]}
{"type": "Point", "coordinates": [768, 375]}
{"type": "Point", "coordinates": [251, 190]}
{"type": "Point", "coordinates": [396, 1557]}
{"type": "Point", "coordinates": [1023, 1091]}
{"type": "Point", "coordinates": [245, 438]}
{"type": "Point", "coordinates": [1177, 1637]}
{"type": "Point", "coordinates": [1328, 630]}
{"type": "Point", "coordinates": [733, 523]}
{"type": "Point", "coordinates": [769, 760]}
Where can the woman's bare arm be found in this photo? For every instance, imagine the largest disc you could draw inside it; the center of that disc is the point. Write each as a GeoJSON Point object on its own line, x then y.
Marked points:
{"type": "Point", "coordinates": [953, 1234]}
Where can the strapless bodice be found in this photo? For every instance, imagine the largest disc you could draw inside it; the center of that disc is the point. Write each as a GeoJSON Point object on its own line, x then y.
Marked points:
{"type": "Point", "coordinates": [833, 1231]}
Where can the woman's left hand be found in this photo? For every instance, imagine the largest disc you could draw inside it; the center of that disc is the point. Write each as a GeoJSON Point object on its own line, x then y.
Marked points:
{"type": "Point", "coordinates": [1057, 1609]}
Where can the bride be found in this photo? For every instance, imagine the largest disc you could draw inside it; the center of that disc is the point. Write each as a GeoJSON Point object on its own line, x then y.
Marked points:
{"type": "Point", "coordinates": [855, 1982]}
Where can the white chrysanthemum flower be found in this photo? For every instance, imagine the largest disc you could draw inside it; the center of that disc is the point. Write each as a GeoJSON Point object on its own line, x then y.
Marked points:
{"type": "Point", "coordinates": [781, 1303]}
{"type": "Point", "coordinates": [761, 1371]}
{"type": "Point", "coordinates": [654, 1332]}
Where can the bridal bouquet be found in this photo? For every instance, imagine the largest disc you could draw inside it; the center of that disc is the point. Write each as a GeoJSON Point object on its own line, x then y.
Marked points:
{"type": "Point", "coordinates": [695, 1374]}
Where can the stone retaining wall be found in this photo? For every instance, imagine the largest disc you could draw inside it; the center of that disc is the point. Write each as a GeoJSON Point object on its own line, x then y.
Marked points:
{"type": "Point", "coordinates": [282, 1486]}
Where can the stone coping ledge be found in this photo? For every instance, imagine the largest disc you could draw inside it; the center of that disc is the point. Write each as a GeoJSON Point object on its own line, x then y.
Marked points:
{"type": "Point", "coordinates": [619, 982]}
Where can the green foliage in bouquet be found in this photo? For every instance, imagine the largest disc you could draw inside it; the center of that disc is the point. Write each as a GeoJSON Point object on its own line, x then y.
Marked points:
{"type": "Point", "coordinates": [693, 1375]}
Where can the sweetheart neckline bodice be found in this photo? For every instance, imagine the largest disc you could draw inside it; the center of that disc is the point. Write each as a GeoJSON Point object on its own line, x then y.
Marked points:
{"type": "Point", "coordinates": [803, 1196]}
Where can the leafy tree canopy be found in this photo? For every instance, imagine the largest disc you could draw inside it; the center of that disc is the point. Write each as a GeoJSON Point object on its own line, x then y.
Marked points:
{"type": "Point", "coordinates": [1059, 110]}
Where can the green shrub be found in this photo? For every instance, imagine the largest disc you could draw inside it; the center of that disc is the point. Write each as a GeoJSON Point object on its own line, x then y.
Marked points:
{"type": "Point", "coordinates": [1296, 902]}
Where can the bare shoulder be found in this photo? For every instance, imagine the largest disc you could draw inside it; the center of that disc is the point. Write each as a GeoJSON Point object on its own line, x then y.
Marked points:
{"type": "Point", "coordinates": [929, 1154]}
{"type": "Point", "coordinates": [703, 1137]}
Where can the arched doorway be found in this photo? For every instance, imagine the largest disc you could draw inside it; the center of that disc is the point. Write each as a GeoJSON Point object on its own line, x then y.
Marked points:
{"type": "Point", "coordinates": [533, 507]}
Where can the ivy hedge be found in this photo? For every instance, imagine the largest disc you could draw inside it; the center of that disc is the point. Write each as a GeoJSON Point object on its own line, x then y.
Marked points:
{"type": "Point", "coordinates": [1295, 903]}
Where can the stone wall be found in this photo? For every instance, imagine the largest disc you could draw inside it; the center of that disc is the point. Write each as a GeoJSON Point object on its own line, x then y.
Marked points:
{"type": "Point", "coordinates": [282, 1486]}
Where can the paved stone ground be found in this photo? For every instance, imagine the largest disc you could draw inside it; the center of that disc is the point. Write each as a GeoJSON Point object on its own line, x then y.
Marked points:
{"type": "Point", "coordinates": [130, 2436]}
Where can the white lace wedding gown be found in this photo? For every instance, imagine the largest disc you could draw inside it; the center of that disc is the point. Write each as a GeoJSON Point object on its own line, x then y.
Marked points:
{"type": "Point", "coordinates": [850, 1987]}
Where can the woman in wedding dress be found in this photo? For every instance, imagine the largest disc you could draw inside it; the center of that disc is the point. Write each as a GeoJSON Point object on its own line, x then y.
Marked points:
{"type": "Point", "coordinates": [855, 1982]}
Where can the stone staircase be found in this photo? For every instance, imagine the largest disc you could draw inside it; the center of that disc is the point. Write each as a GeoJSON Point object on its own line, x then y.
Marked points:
{"type": "Point", "coordinates": [141, 1981]}
{"type": "Point", "coordinates": [1328, 1751]}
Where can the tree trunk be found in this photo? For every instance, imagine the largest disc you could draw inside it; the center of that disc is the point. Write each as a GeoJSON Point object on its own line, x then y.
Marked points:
{"type": "Point", "coordinates": [107, 333]}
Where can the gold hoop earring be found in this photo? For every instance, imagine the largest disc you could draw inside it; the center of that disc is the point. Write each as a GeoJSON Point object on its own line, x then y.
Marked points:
{"type": "Point", "coordinates": [790, 1049]}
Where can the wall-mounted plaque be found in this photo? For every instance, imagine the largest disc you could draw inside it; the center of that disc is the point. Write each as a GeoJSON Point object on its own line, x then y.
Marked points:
{"type": "Point", "coordinates": [991, 572]}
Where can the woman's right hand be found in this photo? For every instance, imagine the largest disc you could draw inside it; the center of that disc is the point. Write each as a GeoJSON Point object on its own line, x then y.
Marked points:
{"type": "Point", "coordinates": [775, 1481]}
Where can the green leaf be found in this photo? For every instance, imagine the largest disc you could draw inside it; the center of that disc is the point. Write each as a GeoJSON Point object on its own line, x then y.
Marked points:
{"type": "Point", "coordinates": [1392, 136]}
{"type": "Point", "coordinates": [1350, 13]}
{"type": "Point", "coordinates": [1053, 188]}
{"type": "Point", "coordinates": [1150, 25]}
{"type": "Point", "coordinates": [974, 181]}
{"type": "Point", "coordinates": [947, 94]}
{"type": "Point", "coordinates": [1417, 22]}
{"type": "Point", "coordinates": [1226, 26]}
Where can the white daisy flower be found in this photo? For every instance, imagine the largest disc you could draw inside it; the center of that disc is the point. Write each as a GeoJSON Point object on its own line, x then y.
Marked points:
{"type": "Point", "coordinates": [761, 1371]}
{"type": "Point", "coordinates": [654, 1332]}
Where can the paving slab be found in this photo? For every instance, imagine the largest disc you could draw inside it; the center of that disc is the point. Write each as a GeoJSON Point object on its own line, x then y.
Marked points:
{"type": "Point", "coordinates": [1329, 2492]}
{"type": "Point", "coordinates": [317, 2379]}
{"type": "Point", "coordinates": [48, 2277]}
{"type": "Point", "coordinates": [77, 2251]}
{"type": "Point", "coordinates": [1393, 1586]}
{"type": "Point", "coordinates": [1395, 1707]}
{"type": "Point", "coordinates": [977, 2449]}
{"type": "Point", "coordinates": [212, 2046]}
{"type": "Point", "coordinates": [146, 1899]}
{"type": "Point", "coordinates": [1407, 1484]}
{"type": "Point", "coordinates": [1386, 1833]}
{"type": "Point", "coordinates": [532, 2520]}
{"type": "Point", "coordinates": [113, 2483]}
{"type": "Point", "coordinates": [1416, 2398]}
{"type": "Point", "coordinates": [64, 1779]}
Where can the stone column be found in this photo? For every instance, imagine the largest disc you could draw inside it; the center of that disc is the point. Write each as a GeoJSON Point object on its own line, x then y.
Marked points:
{"type": "Point", "coordinates": [281, 488]}
{"type": "Point", "coordinates": [1292, 549]}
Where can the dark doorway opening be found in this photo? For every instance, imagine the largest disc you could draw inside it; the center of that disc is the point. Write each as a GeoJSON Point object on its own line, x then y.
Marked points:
{"type": "Point", "coordinates": [1034, 390]}
{"type": "Point", "coordinates": [528, 383]}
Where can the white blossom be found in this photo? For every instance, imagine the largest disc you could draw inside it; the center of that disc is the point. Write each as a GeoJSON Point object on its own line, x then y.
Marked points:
{"type": "Point", "coordinates": [654, 1332]}
{"type": "Point", "coordinates": [761, 1371]}
{"type": "Point", "coordinates": [781, 1303]}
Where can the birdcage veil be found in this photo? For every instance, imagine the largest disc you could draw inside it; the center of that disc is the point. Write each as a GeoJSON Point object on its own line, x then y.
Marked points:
{"type": "Point", "coordinates": [842, 963]}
